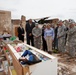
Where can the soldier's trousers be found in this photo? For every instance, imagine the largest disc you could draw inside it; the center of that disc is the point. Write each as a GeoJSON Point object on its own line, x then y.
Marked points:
{"type": "Point", "coordinates": [61, 44]}
{"type": "Point", "coordinates": [37, 42]}
{"type": "Point", "coordinates": [72, 50]}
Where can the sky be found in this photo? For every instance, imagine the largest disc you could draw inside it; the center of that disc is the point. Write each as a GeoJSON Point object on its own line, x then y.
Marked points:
{"type": "Point", "coordinates": [62, 9]}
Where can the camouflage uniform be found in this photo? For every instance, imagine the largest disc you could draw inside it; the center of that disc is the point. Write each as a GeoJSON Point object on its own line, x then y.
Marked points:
{"type": "Point", "coordinates": [61, 39]}
{"type": "Point", "coordinates": [72, 41]}
{"type": "Point", "coordinates": [37, 32]}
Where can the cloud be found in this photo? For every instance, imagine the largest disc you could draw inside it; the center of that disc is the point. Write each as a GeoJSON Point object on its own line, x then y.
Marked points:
{"type": "Point", "coordinates": [40, 8]}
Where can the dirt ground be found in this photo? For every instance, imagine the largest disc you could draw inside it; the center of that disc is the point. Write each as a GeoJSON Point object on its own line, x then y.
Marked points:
{"type": "Point", "coordinates": [66, 65]}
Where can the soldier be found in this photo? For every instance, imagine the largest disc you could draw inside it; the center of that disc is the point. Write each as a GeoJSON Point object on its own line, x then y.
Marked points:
{"type": "Point", "coordinates": [37, 32]}
{"type": "Point", "coordinates": [61, 39]}
{"type": "Point", "coordinates": [72, 40]}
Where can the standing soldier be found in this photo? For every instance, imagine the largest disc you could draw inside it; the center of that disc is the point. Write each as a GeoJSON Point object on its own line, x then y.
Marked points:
{"type": "Point", "coordinates": [72, 40]}
{"type": "Point", "coordinates": [37, 32]}
{"type": "Point", "coordinates": [61, 39]}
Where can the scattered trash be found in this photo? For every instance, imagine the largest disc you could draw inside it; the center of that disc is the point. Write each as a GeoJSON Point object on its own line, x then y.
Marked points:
{"type": "Point", "coordinates": [66, 64]}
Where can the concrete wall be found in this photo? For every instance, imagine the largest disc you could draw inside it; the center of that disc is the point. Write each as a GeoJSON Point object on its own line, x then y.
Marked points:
{"type": "Point", "coordinates": [16, 24]}
{"type": "Point", "coordinates": [23, 20]}
{"type": "Point", "coordinates": [5, 21]}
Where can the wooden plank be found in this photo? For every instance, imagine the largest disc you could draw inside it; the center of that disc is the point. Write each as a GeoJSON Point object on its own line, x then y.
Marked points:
{"type": "Point", "coordinates": [16, 63]}
{"type": "Point", "coordinates": [6, 54]}
{"type": "Point", "coordinates": [26, 70]}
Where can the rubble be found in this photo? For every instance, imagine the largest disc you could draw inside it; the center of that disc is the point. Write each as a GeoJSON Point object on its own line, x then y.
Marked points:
{"type": "Point", "coordinates": [66, 65]}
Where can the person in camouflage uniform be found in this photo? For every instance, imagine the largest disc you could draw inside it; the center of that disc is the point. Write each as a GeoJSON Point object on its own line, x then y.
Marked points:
{"type": "Point", "coordinates": [71, 39]}
{"type": "Point", "coordinates": [61, 39]}
{"type": "Point", "coordinates": [37, 32]}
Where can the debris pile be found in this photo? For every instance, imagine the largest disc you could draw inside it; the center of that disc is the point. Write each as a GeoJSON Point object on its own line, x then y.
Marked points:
{"type": "Point", "coordinates": [66, 65]}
